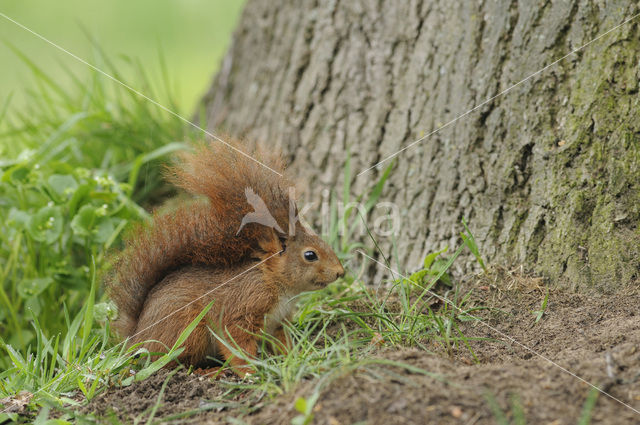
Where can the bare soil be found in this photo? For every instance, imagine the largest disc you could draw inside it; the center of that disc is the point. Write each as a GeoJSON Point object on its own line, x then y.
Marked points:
{"type": "Point", "coordinates": [594, 336]}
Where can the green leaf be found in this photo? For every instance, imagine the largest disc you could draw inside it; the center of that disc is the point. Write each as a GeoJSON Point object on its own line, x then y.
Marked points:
{"type": "Point", "coordinates": [305, 407]}
{"type": "Point", "coordinates": [588, 406]}
{"type": "Point", "coordinates": [83, 221]}
{"type": "Point", "coordinates": [438, 266]}
{"type": "Point", "coordinates": [379, 186]}
{"type": "Point", "coordinates": [16, 174]}
{"type": "Point", "coordinates": [46, 224]}
{"type": "Point", "coordinates": [78, 196]}
{"type": "Point", "coordinates": [104, 196]}
{"type": "Point", "coordinates": [34, 305]}
{"type": "Point", "coordinates": [417, 276]}
{"type": "Point", "coordinates": [104, 230]}
{"type": "Point", "coordinates": [430, 258]}
{"type": "Point", "coordinates": [176, 350]}
{"type": "Point", "coordinates": [298, 420]}
{"type": "Point", "coordinates": [104, 311]}
{"type": "Point", "coordinates": [301, 405]}
{"type": "Point", "coordinates": [150, 156]}
{"type": "Point", "coordinates": [18, 217]}
{"type": "Point", "coordinates": [63, 185]}
{"type": "Point", "coordinates": [29, 287]}
{"type": "Point", "coordinates": [15, 357]}
{"type": "Point", "coordinates": [62, 168]}
{"type": "Point", "coordinates": [90, 222]}
{"type": "Point", "coordinates": [88, 312]}
{"type": "Point", "coordinates": [154, 367]}
{"type": "Point", "coordinates": [470, 241]}
{"type": "Point", "coordinates": [187, 331]}
{"type": "Point", "coordinates": [543, 308]}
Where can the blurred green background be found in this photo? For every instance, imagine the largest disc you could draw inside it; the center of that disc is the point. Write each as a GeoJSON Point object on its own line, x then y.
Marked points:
{"type": "Point", "coordinates": [191, 34]}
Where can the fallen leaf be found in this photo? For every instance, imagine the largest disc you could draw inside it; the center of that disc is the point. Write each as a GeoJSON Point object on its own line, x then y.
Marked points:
{"type": "Point", "coordinates": [17, 403]}
{"type": "Point", "coordinates": [456, 412]}
{"type": "Point", "coordinates": [333, 421]}
{"type": "Point", "coordinates": [377, 339]}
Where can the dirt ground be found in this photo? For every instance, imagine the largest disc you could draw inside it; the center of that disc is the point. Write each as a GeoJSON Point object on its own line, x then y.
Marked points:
{"type": "Point", "coordinates": [596, 337]}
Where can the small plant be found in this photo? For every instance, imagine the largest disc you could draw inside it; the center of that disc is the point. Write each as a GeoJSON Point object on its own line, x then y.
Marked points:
{"type": "Point", "coordinates": [54, 220]}
{"type": "Point", "coordinates": [470, 241]}
{"type": "Point", "coordinates": [543, 308]}
{"type": "Point", "coordinates": [588, 406]}
{"type": "Point", "coordinates": [305, 407]}
{"type": "Point", "coordinates": [432, 268]}
{"type": "Point", "coordinates": [501, 417]}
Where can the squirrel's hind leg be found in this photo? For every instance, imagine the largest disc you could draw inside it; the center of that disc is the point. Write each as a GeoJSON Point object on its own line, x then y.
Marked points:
{"type": "Point", "coordinates": [243, 340]}
{"type": "Point", "coordinates": [158, 323]}
{"type": "Point", "coordinates": [197, 347]}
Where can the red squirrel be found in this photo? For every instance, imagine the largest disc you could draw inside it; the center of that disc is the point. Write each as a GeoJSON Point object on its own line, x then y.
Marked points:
{"type": "Point", "coordinates": [216, 249]}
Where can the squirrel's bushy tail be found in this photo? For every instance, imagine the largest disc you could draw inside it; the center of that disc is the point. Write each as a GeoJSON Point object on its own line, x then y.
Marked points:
{"type": "Point", "coordinates": [201, 232]}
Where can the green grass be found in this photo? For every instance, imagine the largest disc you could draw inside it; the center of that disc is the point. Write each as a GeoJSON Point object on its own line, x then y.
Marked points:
{"type": "Point", "coordinates": [543, 308]}
{"type": "Point", "coordinates": [78, 166]}
{"type": "Point", "coordinates": [516, 411]}
{"type": "Point", "coordinates": [588, 406]}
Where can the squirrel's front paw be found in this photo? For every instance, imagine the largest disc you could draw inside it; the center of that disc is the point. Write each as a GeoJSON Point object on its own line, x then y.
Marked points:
{"type": "Point", "coordinates": [210, 372]}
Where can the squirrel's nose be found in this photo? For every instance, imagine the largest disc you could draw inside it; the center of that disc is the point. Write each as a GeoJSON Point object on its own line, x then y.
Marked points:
{"type": "Point", "coordinates": [340, 272]}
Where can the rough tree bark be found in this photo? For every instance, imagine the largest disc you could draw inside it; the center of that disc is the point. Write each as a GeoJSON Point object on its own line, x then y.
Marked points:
{"type": "Point", "coordinates": [548, 174]}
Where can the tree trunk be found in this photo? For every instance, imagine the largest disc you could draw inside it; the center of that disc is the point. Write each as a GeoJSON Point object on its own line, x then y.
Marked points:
{"type": "Point", "coordinates": [547, 174]}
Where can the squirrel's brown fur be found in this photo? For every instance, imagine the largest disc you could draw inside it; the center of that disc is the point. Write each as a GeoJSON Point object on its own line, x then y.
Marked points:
{"type": "Point", "coordinates": [184, 254]}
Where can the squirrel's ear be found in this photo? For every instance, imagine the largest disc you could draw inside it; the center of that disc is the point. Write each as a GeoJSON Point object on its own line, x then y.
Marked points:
{"type": "Point", "coordinates": [272, 243]}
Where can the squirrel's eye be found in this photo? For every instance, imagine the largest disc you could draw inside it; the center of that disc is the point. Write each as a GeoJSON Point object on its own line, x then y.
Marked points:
{"type": "Point", "coordinates": [310, 256]}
